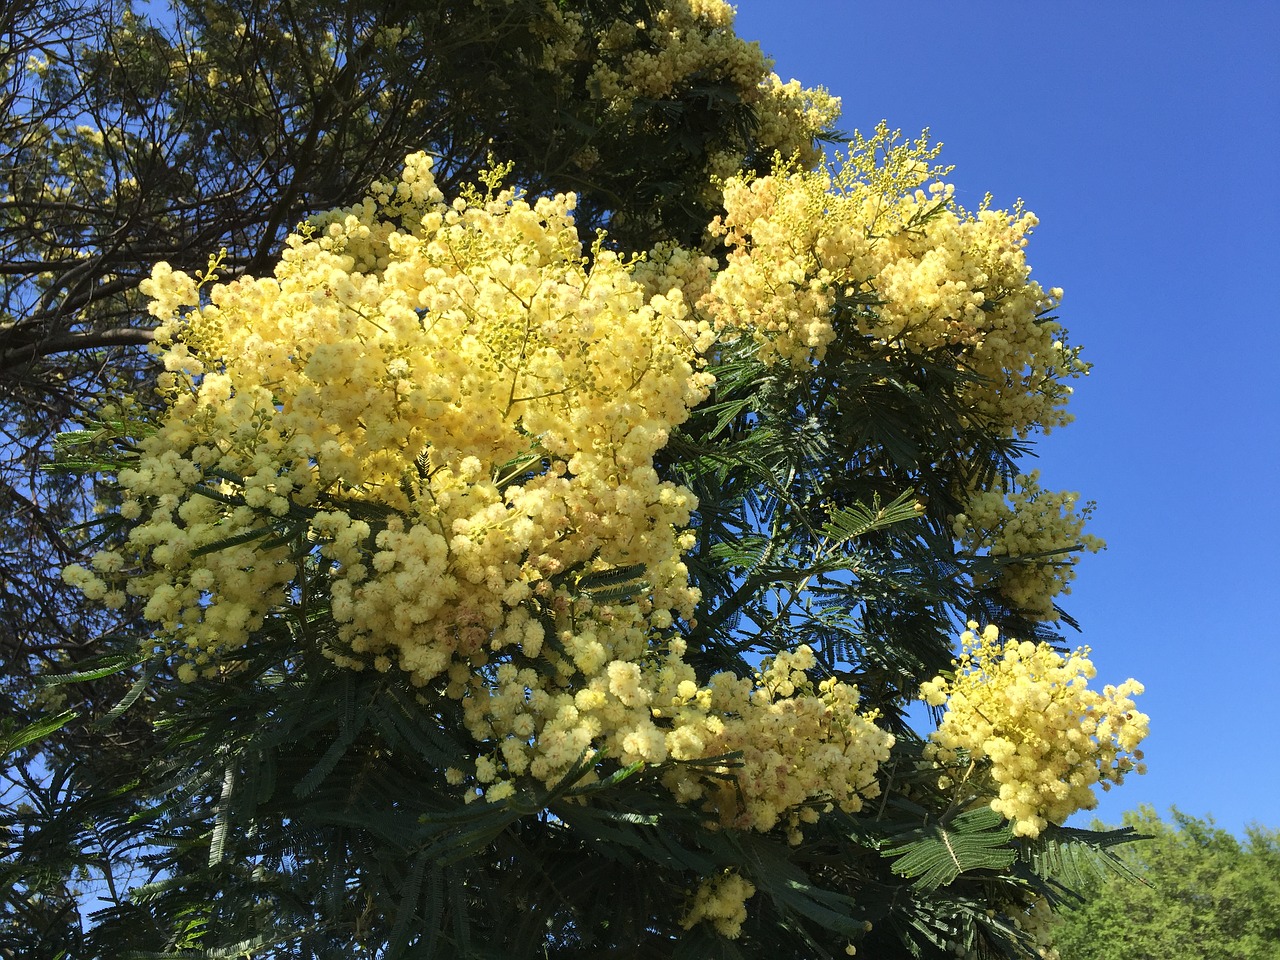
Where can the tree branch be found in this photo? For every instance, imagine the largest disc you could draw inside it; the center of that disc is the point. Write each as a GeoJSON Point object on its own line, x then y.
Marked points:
{"type": "Point", "coordinates": [115, 337]}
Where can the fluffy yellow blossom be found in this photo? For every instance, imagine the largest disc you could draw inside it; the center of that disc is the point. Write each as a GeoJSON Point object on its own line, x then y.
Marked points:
{"type": "Point", "coordinates": [436, 420]}
{"type": "Point", "coordinates": [877, 242]}
{"type": "Point", "coordinates": [722, 902]}
{"type": "Point", "coordinates": [1026, 713]}
{"type": "Point", "coordinates": [1026, 521]}
{"type": "Point", "coordinates": [879, 232]}
{"type": "Point", "coordinates": [1037, 922]}
{"type": "Point", "coordinates": [791, 116]}
{"type": "Point", "coordinates": [690, 41]}
{"type": "Point", "coordinates": [461, 405]}
{"type": "Point", "coordinates": [801, 743]}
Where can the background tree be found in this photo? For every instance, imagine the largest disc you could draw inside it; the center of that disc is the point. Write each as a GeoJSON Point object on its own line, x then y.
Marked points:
{"type": "Point", "coordinates": [1192, 890]}
{"type": "Point", "coordinates": [466, 661]}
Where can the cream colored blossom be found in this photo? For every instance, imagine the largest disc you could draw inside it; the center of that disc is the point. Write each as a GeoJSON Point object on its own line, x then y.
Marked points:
{"type": "Point", "coordinates": [686, 42]}
{"type": "Point", "coordinates": [801, 743]}
{"type": "Point", "coordinates": [438, 419]}
{"type": "Point", "coordinates": [877, 240]}
{"type": "Point", "coordinates": [434, 418]}
{"type": "Point", "coordinates": [722, 902]}
{"type": "Point", "coordinates": [878, 230]}
{"type": "Point", "coordinates": [1026, 714]}
{"type": "Point", "coordinates": [418, 373]}
{"type": "Point", "coordinates": [1039, 526]}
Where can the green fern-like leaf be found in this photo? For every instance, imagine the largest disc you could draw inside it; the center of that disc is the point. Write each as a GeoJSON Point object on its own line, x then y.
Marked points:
{"type": "Point", "coordinates": [129, 699]}
{"type": "Point", "coordinates": [407, 908]}
{"type": "Point", "coordinates": [16, 739]}
{"type": "Point", "coordinates": [936, 854]}
{"type": "Point", "coordinates": [1075, 858]}
{"type": "Point", "coordinates": [246, 536]}
{"type": "Point", "coordinates": [96, 669]}
{"type": "Point", "coordinates": [325, 765]}
{"type": "Point", "coordinates": [601, 579]}
{"type": "Point", "coordinates": [852, 522]}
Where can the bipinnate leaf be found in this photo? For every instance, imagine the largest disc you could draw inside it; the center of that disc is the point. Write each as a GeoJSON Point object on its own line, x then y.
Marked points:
{"type": "Point", "coordinates": [936, 854]}
{"type": "Point", "coordinates": [16, 739]}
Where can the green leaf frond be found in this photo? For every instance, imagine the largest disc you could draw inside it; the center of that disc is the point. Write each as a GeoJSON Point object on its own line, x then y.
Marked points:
{"type": "Point", "coordinates": [936, 854]}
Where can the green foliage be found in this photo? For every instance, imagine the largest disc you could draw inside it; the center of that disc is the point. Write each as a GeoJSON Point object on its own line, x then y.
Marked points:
{"type": "Point", "coordinates": [936, 854]}
{"type": "Point", "coordinates": [1188, 890]}
{"type": "Point", "coordinates": [15, 739]}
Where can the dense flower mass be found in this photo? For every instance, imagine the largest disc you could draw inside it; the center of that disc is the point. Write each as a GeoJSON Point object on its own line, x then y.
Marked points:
{"type": "Point", "coordinates": [518, 527]}
{"type": "Point", "coordinates": [445, 432]}
{"type": "Point", "coordinates": [690, 40]}
{"type": "Point", "coordinates": [1027, 712]}
{"type": "Point", "coordinates": [722, 902]}
{"type": "Point", "coordinates": [1031, 523]}
{"type": "Point", "coordinates": [438, 419]}
{"type": "Point", "coordinates": [448, 406]}
{"type": "Point", "coordinates": [881, 228]}
{"type": "Point", "coordinates": [799, 742]}
{"type": "Point", "coordinates": [881, 234]}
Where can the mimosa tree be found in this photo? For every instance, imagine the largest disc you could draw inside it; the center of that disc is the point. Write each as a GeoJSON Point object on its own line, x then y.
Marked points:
{"type": "Point", "coordinates": [509, 589]}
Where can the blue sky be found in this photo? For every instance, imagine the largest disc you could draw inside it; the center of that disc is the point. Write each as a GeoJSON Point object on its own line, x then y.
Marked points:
{"type": "Point", "coordinates": [1146, 137]}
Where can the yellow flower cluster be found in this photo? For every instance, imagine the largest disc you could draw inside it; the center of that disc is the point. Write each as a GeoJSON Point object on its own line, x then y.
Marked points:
{"type": "Point", "coordinates": [882, 229]}
{"type": "Point", "coordinates": [1038, 922]}
{"type": "Point", "coordinates": [800, 744]}
{"type": "Point", "coordinates": [1027, 521]}
{"type": "Point", "coordinates": [436, 420]}
{"type": "Point", "coordinates": [688, 39]}
{"type": "Point", "coordinates": [802, 747]}
{"type": "Point", "coordinates": [790, 117]}
{"type": "Point", "coordinates": [1026, 713]}
{"type": "Point", "coordinates": [881, 235]}
{"type": "Point", "coordinates": [463, 405]}
{"type": "Point", "coordinates": [722, 902]}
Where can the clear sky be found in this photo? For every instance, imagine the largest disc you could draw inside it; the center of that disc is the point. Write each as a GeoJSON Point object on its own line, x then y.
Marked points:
{"type": "Point", "coordinates": [1146, 137]}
